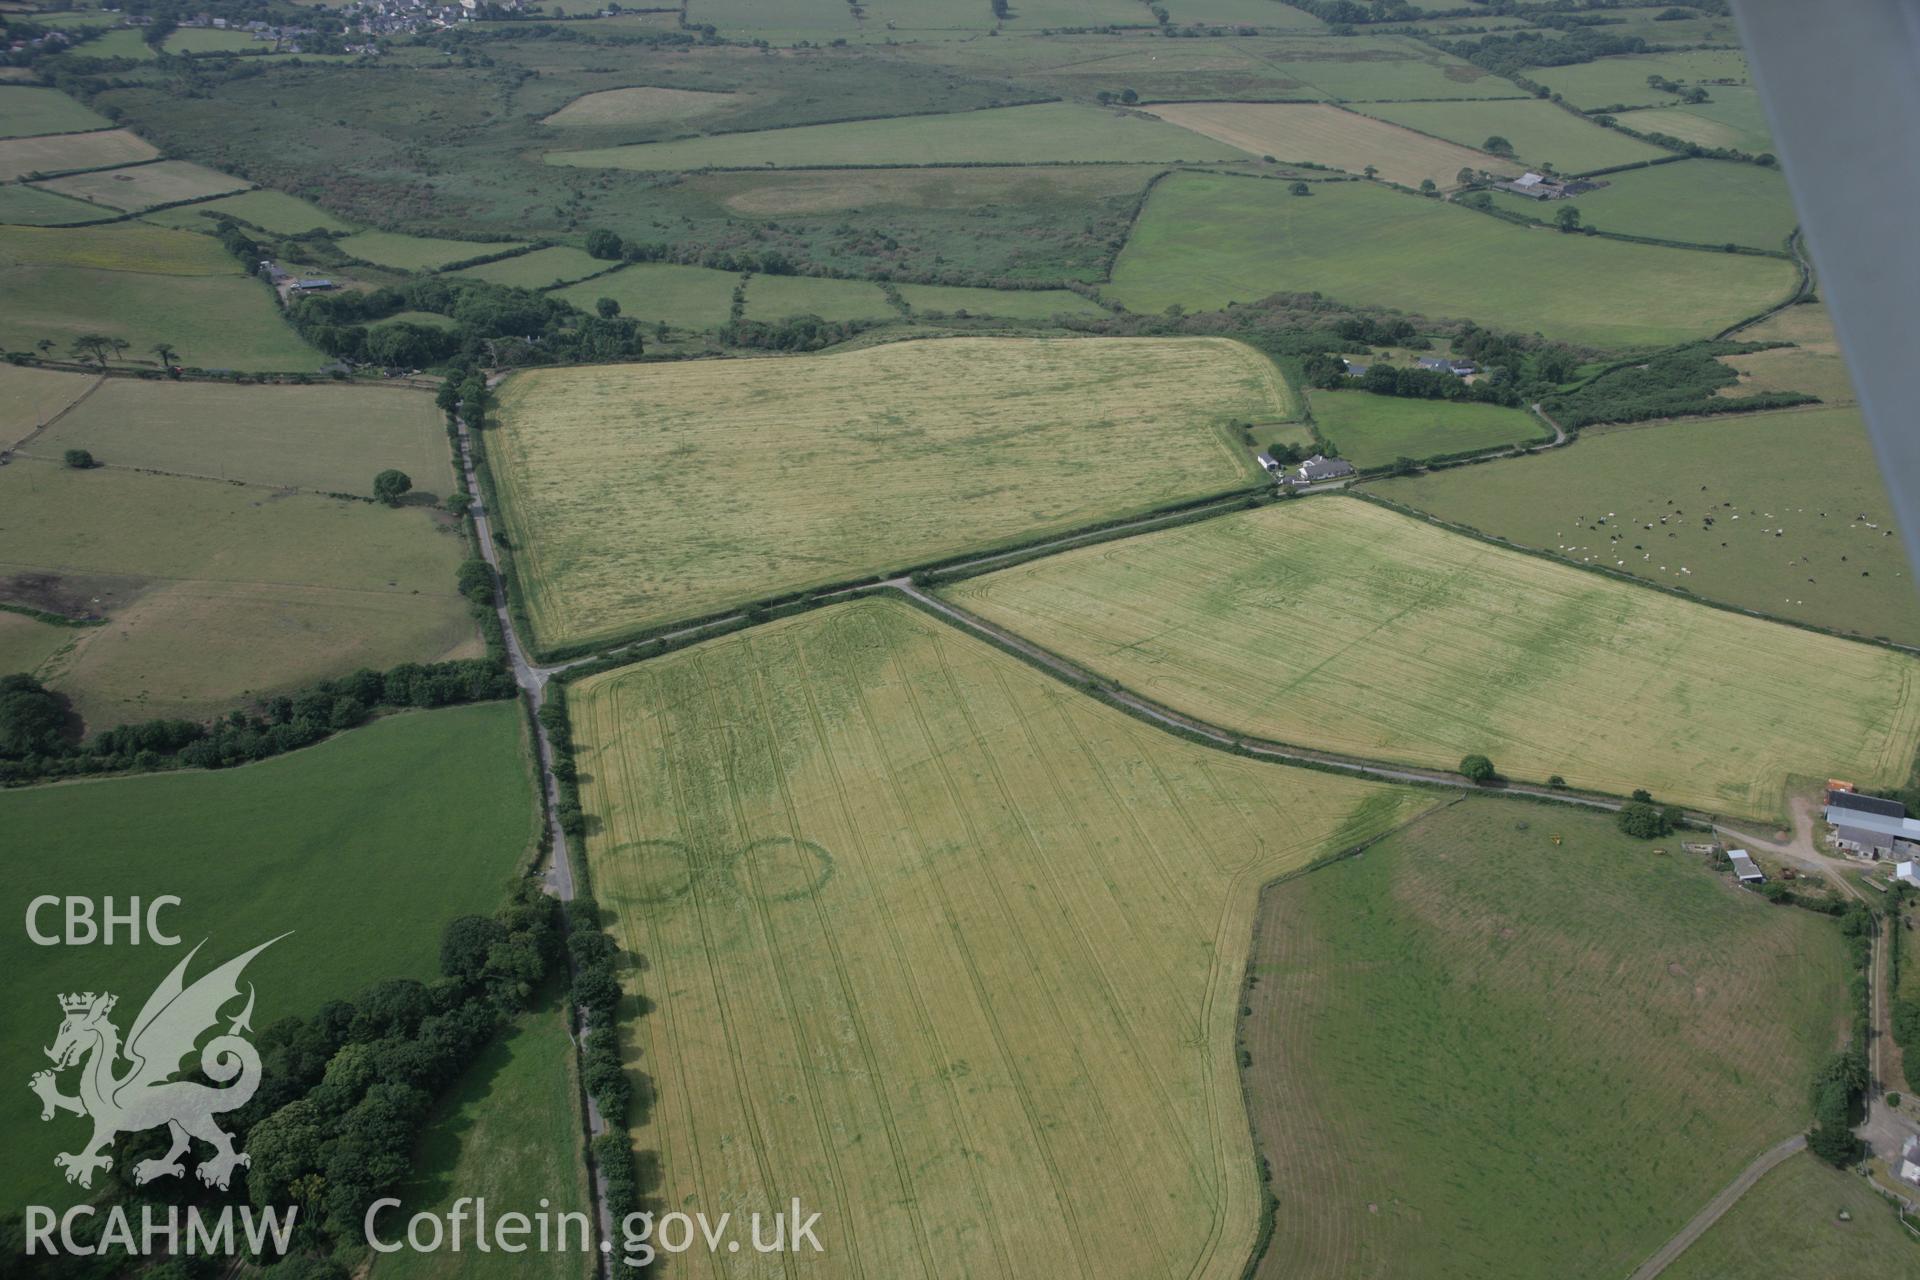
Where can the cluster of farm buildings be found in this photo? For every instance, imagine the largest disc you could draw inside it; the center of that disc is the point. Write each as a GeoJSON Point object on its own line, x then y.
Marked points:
{"type": "Point", "coordinates": [1536, 186]}
{"type": "Point", "coordinates": [1874, 828]}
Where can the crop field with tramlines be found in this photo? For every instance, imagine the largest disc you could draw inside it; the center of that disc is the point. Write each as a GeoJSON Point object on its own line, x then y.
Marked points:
{"type": "Point", "coordinates": [638, 494]}
{"type": "Point", "coordinates": [1334, 623]}
{"type": "Point", "coordinates": [1504, 1010]}
{"type": "Point", "coordinates": [942, 944]}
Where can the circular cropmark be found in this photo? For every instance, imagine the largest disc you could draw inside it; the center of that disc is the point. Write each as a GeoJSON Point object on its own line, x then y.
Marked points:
{"type": "Point", "coordinates": [782, 869]}
{"type": "Point", "coordinates": [658, 870]}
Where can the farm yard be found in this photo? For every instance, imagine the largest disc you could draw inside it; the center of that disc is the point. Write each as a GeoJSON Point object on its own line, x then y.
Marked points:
{"type": "Point", "coordinates": [1374, 431]}
{"type": "Point", "coordinates": [1334, 623]}
{"type": "Point", "coordinates": [940, 937]}
{"type": "Point", "coordinates": [636, 495]}
{"type": "Point", "coordinates": [1541, 132]}
{"type": "Point", "coordinates": [1521, 996]}
{"type": "Point", "coordinates": [304, 842]}
{"type": "Point", "coordinates": [1204, 241]}
{"type": "Point", "coordinates": [216, 590]}
{"type": "Point", "coordinates": [1769, 547]}
{"type": "Point", "coordinates": [326, 439]}
{"type": "Point", "coordinates": [1317, 133]}
{"type": "Point", "coordinates": [1048, 132]}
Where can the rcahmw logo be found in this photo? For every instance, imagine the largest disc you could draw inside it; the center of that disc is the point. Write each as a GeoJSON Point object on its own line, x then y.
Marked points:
{"type": "Point", "coordinates": [142, 1095]}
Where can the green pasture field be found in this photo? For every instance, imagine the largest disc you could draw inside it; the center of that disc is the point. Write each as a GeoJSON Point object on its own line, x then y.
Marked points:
{"type": "Point", "coordinates": [778, 297]}
{"type": "Point", "coordinates": [1699, 201]}
{"type": "Point", "coordinates": [683, 297]}
{"type": "Point", "coordinates": [1704, 29]}
{"type": "Point", "coordinates": [1159, 70]}
{"type": "Point", "coordinates": [1622, 81]}
{"type": "Point", "coordinates": [1734, 118]}
{"type": "Point", "coordinates": [26, 110]}
{"type": "Point", "coordinates": [1541, 133]}
{"type": "Point", "coordinates": [26, 642]}
{"type": "Point", "coordinates": [1788, 1226]}
{"type": "Point", "coordinates": [1547, 1023]}
{"type": "Point", "coordinates": [1832, 571]}
{"type": "Point", "coordinates": [539, 269]}
{"type": "Point", "coordinates": [1015, 304]}
{"type": "Point", "coordinates": [509, 1131]}
{"type": "Point", "coordinates": [1373, 431]}
{"type": "Point", "coordinates": [144, 185]}
{"type": "Point", "coordinates": [332, 439]}
{"type": "Point", "coordinates": [30, 206]}
{"type": "Point", "coordinates": [1334, 623]}
{"type": "Point", "coordinates": [29, 398]}
{"type": "Point", "coordinates": [57, 152]}
{"type": "Point", "coordinates": [639, 105]}
{"type": "Point", "coordinates": [268, 210]}
{"type": "Point", "coordinates": [1204, 240]}
{"type": "Point", "coordinates": [781, 21]}
{"type": "Point", "coordinates": [637, 494]}
{"type": "Point", "coordinates": [1034, 15]}
{"type": "Point", "coordinates": [121, 42]}
{"type": "Point", "coordinates": [414, 253]}
{"type": "Point", "coordinates": [1236, 13]}
{"type": "Point", "coordinates": [214, 40]}
{"type": "Point", "coordinates": [1814, 365]}
{"type": "Point", "coordinates": [787, 192]}
{"type": "Point", "coordinates": [362, 846]}
{"type": "Point", "coordinates": [1366, 68]}
{"type": "Point", "coordinates": [1318, 133]}
{"type": "Point", "coordinates": [1267, 435]}
{"type": "Point", "coordinates": [1047, 133]}
{"type": "Point", "coordinates": [145, 285]}
{"type": "Point", "coordinates": [944, 939]}
{"type": "Point", "coordinates": [216, 590]}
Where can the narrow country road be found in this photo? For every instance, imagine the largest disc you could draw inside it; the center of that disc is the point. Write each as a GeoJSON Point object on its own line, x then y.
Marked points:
{"type": "Point", "coordinates": [559, 871]}
{"type": "Point", "coordinates": [1718, 1206]}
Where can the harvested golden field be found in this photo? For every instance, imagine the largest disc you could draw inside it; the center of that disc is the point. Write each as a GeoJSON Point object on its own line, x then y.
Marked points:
{"type": "Point", "coordinates": [1320, 134]}
{"type": "Point", "coordinates": [647, 104]}
{"type": "Point", "coordinates": [1814, 364]}
{"type": "Point", "coordinates": [1333, 623]}
{"type": "Point", "coordinates": [639, 494]}
{"type": "Point", "coordinates": [58, 152]}
{"type": "Point", "coordinates": [940, 945]}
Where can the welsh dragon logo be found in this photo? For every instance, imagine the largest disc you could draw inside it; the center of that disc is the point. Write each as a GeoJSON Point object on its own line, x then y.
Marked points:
{"type": "Point", "coordinates": [143, 1096]}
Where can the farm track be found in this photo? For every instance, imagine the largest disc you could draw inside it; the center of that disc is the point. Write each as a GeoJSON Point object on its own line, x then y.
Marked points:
{"type": "Point", "coordinates": [1717, 1207]}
